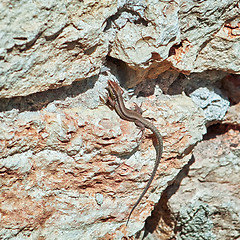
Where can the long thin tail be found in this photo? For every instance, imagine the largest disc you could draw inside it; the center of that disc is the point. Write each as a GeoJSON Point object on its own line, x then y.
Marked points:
{"type": "Point", "coordinates": [159, 150]}
{"type": "Point", "coordinates": [143, 193]}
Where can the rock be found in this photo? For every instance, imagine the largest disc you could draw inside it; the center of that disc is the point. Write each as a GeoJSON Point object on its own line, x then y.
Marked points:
{"type": "Point", "coordinates": [212, 180]}
{"type": "Point", "coordinates": [212, 101]}
{"type": "Point", "coordinates": [94, 167]}
{"type": "Point", "coordinates": [70, 167]}
{"type": "Point", "coordinates": [205, 41]}
{"type": "Point", "coordinates": [232, 116]}
{"type": "Point", "coordinates": [54, 50]}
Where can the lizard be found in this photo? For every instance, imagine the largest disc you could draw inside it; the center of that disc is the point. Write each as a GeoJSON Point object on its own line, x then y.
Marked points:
{"type": "Point", "coordinates": [115, 100]}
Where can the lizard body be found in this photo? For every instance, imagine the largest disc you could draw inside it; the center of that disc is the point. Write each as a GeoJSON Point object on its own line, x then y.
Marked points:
{"type": "Point", "coordinates": [115, 99]}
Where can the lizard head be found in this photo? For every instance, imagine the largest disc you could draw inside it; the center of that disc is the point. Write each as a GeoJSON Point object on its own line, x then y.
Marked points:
{"type": "Point", "coordinates": [114, 89]}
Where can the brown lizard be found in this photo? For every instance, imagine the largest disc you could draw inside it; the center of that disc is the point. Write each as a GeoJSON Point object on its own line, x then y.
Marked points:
{"type": "Point", "coordinates": [115, 100]}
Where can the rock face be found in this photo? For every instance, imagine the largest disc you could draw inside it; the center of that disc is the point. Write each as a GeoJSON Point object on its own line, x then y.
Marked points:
{"type": "Point", "coordinates": [70, 168]}
{"type": "Point", "coordinates": [209, 205]}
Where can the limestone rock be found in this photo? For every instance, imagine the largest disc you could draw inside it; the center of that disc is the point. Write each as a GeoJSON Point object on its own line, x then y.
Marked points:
{"type": "Point", "coordinates": [212, 101]}
{"type": "Point", "coordinates": [207, 41]}
{"type": "Point", "coordinates": [67, 42]}
{"type": "Point", "coordinates": [67, 167]}
{"type": "Point", "coordinates": [46, 45]}
{"type": "Point", "coordinates": [212, 180]}
{"type": "Point", "coordinates": [70, 168]}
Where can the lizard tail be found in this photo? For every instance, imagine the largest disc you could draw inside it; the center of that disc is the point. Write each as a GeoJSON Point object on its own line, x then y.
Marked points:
{"type": "Point", "coordinates": [159, 150]}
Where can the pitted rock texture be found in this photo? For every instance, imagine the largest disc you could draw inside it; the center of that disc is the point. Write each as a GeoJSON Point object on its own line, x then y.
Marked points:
{"type": "Point", "coordinates": [212, 180]}
{"type": "Point", "coordinates": [66, 166]}
{"type": "Point", "coordinates": [46, 45]}
{"type": "Point", "coordinates": [70, 168]}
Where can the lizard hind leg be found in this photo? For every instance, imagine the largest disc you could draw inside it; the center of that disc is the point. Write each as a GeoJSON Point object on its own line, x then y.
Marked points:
{"type": "Point", "coordinates": [138, 109]}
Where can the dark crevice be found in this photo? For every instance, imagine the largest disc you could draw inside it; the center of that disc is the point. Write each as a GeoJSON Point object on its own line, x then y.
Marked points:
{"type": "Point", "coordinates": [172, 50]}
{"type": "Point", "coordinates": [90, 50]}
{"type": "Point", "coordinates": [39, 100]}
{"type": "Point", "coordinates": [110, 20]}
{"type": "Point", "coordinates": [121, 70]}
{"type": "Point", "coordinates": [9, 50]}
{"type": "Point", "coordinates": [108, 24]}
{"type": "Point", "coordinates": [29, 44]}
{"type": "Point", "coordinates": [20, 38]}
{"type": "Point", "coordinates": [219, 129]}
{"type": "Point", "coordinates": [161, 211]}
{"type": "Point", "coordinates": [54, 35]}
{"type": "Point", "coordinates": [145, 89]}
{"type": "Point", "coordinates": [179, 85]}
{"type": "Point", "coordinates": [231, 87]}
{"type": "Point", "coordinates": [107, 219]}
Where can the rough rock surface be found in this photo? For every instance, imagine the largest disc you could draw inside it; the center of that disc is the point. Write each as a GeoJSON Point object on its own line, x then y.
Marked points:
{"type": "Point", "coordinates": [67, 166]}
{"type": "Point", "coordinates": [210, 36]}
{"type": "Point", "coordinates": [70, 168]}
{"type": "Point", "coordinates": [68, 41]}
{"type": "Point", "coordinates": [212, 187]}
{"type": "Point", "coordinates": [203, 201]}
{"type": "Point", "coordinates": [212, 101]}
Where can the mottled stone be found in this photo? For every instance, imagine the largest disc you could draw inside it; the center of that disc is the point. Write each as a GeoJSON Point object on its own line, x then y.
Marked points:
{"type": "Point", "coordinates": [232, 116]}
{"type": "Point", "coordinates": [72, 169]}
{"type": "Point", "coordinates": [195, 223]}
{"type": "Point", "coordinates": [212, 101]}
{"type": "Point", "coordinates": [49, 45]}
{"type": "Point", "coordinates": [89, 175]}
{"type": "Point", "coordinates": [205, 44]}
{"type": "Point", "coordinates": [212, 180]}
